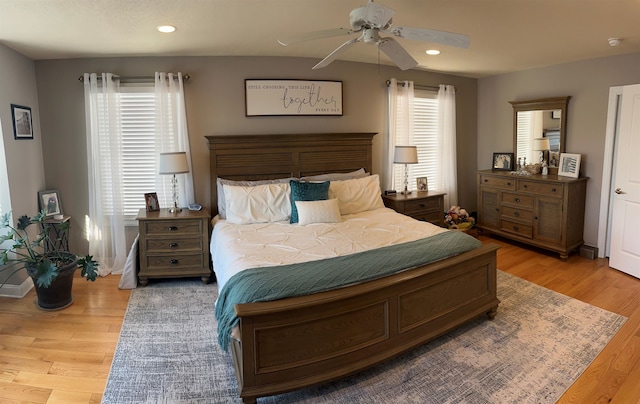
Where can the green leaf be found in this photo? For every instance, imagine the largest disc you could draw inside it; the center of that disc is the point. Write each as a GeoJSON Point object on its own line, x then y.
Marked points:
{"type": "Point", "coordinates": [89, 268]}
{"type": "Point", "coordinates": [23, 222]}
{"type": "Point", "coordinates": [46, 272]}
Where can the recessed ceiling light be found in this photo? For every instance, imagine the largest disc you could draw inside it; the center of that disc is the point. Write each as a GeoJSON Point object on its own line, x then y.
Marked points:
{"type": "Point", "coordinates": [166, 28]}
{"type": "Point", "coordinates": [433, 52]}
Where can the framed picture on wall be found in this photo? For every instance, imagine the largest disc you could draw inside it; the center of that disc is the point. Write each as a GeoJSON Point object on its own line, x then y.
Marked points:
{"type": "Point", "coordinates": [569, 165]}
{"type": "Point", "coordinates": [22, 123]}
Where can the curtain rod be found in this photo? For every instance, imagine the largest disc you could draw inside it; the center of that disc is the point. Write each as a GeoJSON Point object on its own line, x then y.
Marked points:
{"type": "Point", "coordinates": [136, 79]}
{"type": "Point", "coordinates": [418, 86]}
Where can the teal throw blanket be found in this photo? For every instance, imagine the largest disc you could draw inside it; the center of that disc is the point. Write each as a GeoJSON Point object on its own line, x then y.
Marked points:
{"type": "Point", "coordinates": [273, 283]}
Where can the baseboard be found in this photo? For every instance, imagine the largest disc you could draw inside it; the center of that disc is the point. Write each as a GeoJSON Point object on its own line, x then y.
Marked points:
{"type": "Point", "coordinates": [17, 291]}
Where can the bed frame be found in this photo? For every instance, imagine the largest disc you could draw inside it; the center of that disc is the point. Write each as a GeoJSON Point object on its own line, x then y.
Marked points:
{"type": "Point", "coordinates": [293, 343]}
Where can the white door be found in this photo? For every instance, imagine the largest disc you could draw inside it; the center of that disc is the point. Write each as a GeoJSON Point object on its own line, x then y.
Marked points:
{"type": "Point", "coordinates": [625, 226]}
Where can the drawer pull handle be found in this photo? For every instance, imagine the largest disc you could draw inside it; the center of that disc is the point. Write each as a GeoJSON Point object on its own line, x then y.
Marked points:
{"type": "Point", "coordinates": [174, 262]}
{"type": "Point", "coordinates": [173, 245]}
{"type": "Point", "coordinates": [173, 228]}
{"type": "Point", "coordinates": [486, 180]}
{"type": "Point", "coordinates": [516, 214]}
{"type": "Point", "coordinates": [553, 190]}
{"type": "Point", "coordinates": [508, 183]}
{"type": "Point", "coordinates": [517, 200]}
{"type": "Point", "coordinates": [524, 186]}
{"type": "Point", "coordinates": [515, 228]}
{"type": "Point", "coordinates": [421, 205]}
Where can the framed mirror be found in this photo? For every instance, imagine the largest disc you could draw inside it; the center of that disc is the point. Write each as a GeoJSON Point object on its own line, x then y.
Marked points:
{"type": "Point", "coordinates": [538, 124]}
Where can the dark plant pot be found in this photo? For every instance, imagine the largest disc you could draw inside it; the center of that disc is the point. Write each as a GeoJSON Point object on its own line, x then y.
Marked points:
{"type": "Point", "coordinates": [59, 294]}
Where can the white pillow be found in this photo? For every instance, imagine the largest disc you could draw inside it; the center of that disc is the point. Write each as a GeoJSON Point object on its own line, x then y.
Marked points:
{"type": "Point", "coordinates": [326, 211]}
{"type": "Point", "coordinates": [220, 182]}
{"type": "Point", "coordinates": [336, 176]}
{"type": "Point", "coordinates": [257, 204]}
{"type": "Point", "coordinates": [357, 195]}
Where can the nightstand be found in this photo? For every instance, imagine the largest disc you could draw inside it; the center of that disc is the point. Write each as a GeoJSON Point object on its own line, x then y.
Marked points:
{"type": "Point", "coordinates": [425, 206]}
{"type": "Point", "coordinates": [174, 245]}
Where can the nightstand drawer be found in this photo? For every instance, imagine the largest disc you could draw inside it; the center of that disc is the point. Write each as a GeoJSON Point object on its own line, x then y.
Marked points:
{"type": "Point", "coordinates": [177, 262]}
{"type": "Point", "coordinates": [432, 217]}
{"type": "Point", "coordinates": [422, 205]}
{"type": "Point", "coordinates": [163, 245]}
{"type": "Point", "coordinates": [172, 227]}
{"type": "Point", "coordinates": [520, 229]}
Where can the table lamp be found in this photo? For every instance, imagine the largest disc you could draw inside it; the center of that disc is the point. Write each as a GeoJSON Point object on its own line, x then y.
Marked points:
{"type": "Point", "coordinates": [174, 163]}
{"type": "Point", "coordinates": [406, 155]}
{"type": "Point", "coordinates": [542, 145]}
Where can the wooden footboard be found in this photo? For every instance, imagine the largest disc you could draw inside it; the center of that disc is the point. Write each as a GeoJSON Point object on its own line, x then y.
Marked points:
{"type": "Point", "coordinates": [297, 342]}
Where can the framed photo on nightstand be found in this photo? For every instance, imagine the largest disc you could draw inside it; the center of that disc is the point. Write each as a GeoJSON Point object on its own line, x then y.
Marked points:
{"type": "Point", "coordinates": [422, 184]}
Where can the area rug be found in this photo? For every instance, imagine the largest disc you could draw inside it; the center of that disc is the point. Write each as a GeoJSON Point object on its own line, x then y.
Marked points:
{"type": "Point", "coordinates": [536, 347]}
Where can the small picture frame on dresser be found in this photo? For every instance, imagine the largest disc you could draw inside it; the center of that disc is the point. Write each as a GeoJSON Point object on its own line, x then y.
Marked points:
{"type": "Point", "coordinates": [569, 165]}
{"type": "Point", "coordinates": [502, 162]}
{"type": "Point", "coordinates": [422, 184]}
{"type": "Point", "coordinates": [151, 202]}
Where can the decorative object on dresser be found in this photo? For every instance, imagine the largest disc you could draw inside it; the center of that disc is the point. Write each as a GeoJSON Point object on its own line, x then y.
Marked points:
{"type": "Point", "coordinates": [173, 245]}
{"type": "Point", "coordinates": [174, 163]}
{"type": "Point", "coordinates": [569, 165]}
{"type": "Point", "coordinates": [502, 161]}
{"type": "Point", "coordinates": [406, 155]}
{"type": "Point", "coordinates": [425, 206]}
{"type": "Point", "coordinates": [543, 211]}
{"type": "Point", "coordinates": [542, 145]}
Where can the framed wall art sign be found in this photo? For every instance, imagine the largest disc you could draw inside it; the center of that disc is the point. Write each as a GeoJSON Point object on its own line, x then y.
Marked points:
{"type": "Point", "coordinates": [22, 123]}
{"type": "Point", "coordinates": [293, 97]}
{"type": "Point", "coordinates": [569, 165]}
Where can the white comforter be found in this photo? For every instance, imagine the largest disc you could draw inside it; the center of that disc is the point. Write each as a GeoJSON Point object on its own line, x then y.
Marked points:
{"type": "Point", "coordinates": [235, 248]}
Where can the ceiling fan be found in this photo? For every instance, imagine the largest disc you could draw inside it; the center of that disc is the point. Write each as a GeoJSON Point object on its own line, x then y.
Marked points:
{"type": "Point", "coordinates": [371, 20]}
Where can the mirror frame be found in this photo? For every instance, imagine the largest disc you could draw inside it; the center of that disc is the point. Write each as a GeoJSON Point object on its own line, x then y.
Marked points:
{"type": "Point", "coordinates": [552, 103]}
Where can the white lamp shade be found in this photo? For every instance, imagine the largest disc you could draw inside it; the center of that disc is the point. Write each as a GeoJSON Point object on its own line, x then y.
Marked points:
{"type": "Point", "coordinates": [406, 155]}
{"type": "Point", "coordinates": [173, 163]}
{"type": "Point", "coordinates": [541, 144]}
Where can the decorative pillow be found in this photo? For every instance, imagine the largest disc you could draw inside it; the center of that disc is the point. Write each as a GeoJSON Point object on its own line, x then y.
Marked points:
{"type": "Point", "coordinates": [221, 197]}
{"type": "Point", "coordinates": [326, 211]}
{"type": "Point", "coordinates": [257, 204]}
{"type": "Point", "coordinates": [306, 191]}
{"type": "Point", "coordinates": [337, 176]}
{"type": "Point", "coordinates": [357, 195]}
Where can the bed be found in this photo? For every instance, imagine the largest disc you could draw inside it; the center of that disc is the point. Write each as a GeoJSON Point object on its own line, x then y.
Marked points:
{"type": "Point", "coordinates": [294, 342]}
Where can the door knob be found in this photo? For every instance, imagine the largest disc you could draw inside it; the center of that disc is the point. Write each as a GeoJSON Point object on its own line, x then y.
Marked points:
{"type": "Point", "coordinates": [618, 191]}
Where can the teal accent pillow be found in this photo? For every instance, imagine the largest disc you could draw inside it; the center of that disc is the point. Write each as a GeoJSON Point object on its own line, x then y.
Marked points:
{"type": "Point", "coordinates": [307, 191]}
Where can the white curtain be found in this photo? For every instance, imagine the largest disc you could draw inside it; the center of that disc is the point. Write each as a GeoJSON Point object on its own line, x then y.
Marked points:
{"type": "Point", "coordinates": [400, 126]}
{"type": "Point", "coordinates": [447, 135]}
{"type": "Point", "coordinates": [105, 223]}
{"type": "Point", "coordinates": [173, 135]}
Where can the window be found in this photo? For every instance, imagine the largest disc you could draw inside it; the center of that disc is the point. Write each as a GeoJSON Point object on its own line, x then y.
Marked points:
{"type": "Point", "coordinates": [425, 137]}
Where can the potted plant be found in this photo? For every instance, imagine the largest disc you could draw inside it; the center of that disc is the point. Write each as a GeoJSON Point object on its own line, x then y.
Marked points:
{"type": "Point", "coordinates": [51, 269]}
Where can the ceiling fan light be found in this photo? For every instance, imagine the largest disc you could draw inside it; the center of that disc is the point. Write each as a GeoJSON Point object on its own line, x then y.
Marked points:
{"type": "Point", "coordinates": [166, 29]}
{"type": "Point", "coordinates": [432, 52]}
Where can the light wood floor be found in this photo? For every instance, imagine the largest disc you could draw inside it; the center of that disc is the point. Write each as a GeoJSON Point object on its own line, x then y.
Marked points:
{"type": "Point", "coordinates": [64, 356]}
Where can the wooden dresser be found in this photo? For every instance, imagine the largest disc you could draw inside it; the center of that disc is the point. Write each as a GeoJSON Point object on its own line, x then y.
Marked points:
{"type": "Point", "coordinates": [174, 245]}
{"type": "Point", "coordinates": [543, 211]}
{"type": "Point", "coordinates": [425, 206]}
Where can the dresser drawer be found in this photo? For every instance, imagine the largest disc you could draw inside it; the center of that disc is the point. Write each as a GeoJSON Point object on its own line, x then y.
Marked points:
{"type": "Point", "coordinates": [498, 182]}
{"type": "Point", "coordinates": [175, 262]}
{"type": "Point", "coordinates": [517, 199]}
{"type": "Point", "coordinates": [422, 205]}
{"type": "Point", "coordinates": [172, 227]}
{"type": "Point", "coordinates": [524, 230]}
{"type": "Point", "coordinates": [539, 188]}
{"type": "Point", "coordinates": [516, 213]}
{"type": "Point", "coordinates": [163, 245]}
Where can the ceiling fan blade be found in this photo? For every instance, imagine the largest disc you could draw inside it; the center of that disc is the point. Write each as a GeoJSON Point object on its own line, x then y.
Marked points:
{"type": "Point", "coordinates": [326, 33]}
{"type": "Point", "coordinates": [333, 55]}
{"type": "Point", "coordinates": [430, 35]}
{"type": "Point", "coordinates": [397, 54]}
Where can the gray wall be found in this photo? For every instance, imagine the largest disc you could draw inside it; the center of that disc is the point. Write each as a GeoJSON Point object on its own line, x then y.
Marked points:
{"type": "Point", "coordinates": [24, 157]}
{"type": "Point", "coordinates": [215, 106]}
{"type": "Point", "coordinates": [588, 85]}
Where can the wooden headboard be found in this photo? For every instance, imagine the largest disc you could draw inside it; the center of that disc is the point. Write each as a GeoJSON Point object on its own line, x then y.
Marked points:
{"type": "Point", "coordinates": [259, 157]}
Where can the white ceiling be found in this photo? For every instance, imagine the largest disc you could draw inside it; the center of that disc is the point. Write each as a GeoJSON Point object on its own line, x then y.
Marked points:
{"type": "Point", "coordinates": [506, 35]}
